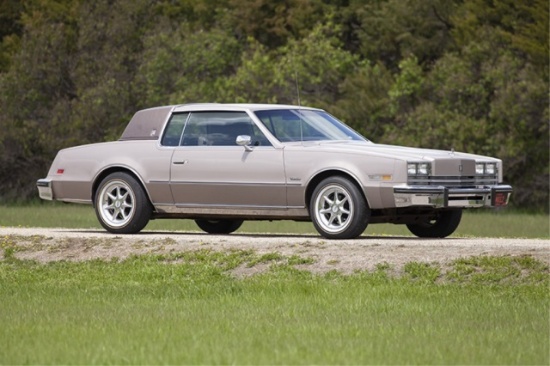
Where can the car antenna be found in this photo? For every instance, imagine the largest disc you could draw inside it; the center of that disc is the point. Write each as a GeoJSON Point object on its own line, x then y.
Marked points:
{"type": "Point", "coordinates": [297, 87]}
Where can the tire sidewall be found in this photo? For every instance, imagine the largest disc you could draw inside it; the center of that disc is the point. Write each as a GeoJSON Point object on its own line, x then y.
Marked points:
{"type": "Point", "coordinates": [218, 226]}
{"type": "Point", "coordinates": [445, 225]}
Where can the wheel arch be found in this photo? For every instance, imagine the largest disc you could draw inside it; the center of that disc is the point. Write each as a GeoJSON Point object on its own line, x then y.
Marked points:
{"type": "Point", "coordinates": [316, 179]}
{"type": "Point", "coordinates": [117, 169]}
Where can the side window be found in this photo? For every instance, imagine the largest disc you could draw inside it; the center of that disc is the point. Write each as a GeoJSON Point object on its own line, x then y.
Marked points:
{"type": "Point", "coordinates": [283, 124]}
{"type": "Point", "coordinates": [220, 129]}
{"type": "Point", "coordinates": [172, 133]}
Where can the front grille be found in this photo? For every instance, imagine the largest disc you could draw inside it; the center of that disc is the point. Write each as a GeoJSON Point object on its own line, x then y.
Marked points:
{"type": "Point", "coordinates": [454, 181]}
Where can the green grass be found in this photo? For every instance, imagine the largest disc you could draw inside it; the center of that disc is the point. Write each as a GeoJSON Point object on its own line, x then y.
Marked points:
{"type": "Point", "coordinates": [185, 308]}
{"type": "Point", "coordinates": [475, 223]}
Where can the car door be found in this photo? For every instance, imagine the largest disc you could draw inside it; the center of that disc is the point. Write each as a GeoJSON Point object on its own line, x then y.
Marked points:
{"type": "Point", "coordinates": [208, 168]}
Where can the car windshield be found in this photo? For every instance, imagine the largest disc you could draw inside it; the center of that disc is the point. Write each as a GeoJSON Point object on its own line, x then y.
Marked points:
{"type": "Point", "coordinates": [289, 125]}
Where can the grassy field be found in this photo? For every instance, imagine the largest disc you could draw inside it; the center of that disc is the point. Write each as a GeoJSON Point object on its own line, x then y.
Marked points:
{"type": "Point", "coordinates": [186, 309]}
{"type": "Point", "coordinates": [477, 223]}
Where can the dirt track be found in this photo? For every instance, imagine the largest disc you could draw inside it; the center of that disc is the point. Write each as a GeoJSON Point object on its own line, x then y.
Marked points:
{"type": "Point", "coordinates": [342, 255]}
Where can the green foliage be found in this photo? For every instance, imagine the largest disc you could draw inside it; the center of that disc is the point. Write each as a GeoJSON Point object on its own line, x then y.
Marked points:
{"type": "Point", "coordinates": [273, 23]}
{"type": "Point", "coordinates": [498, 270]}
{"type": "Point", "coordinates": [309, 68]}
{"type": "Point", "coordinates": [392, 30]}
{"type": "Point", "coordinates": [472, 75]}
{"type": "Point", "coordinates": [522, 26]}
{"type": "Point", "coordinates": [422, 272]}
{"type": "Point", "coordinates": [180, 65]}
{"type": "Point", "coordinates": [369, 84]}
{"type": "Point", "coordinates": [10, 31]}
{"type": "Point", "coordinates": [404, 93]}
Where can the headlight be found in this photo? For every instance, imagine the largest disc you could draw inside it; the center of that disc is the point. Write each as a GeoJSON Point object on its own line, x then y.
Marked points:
{"type": "Point", "coordinates": [423, 169]}
{"type": "Point", "coordinates": [418, 168]}
{"type": "Point", "coordinates": [480, 168]}
{"type": "Point", "coordinates": [486, 168]}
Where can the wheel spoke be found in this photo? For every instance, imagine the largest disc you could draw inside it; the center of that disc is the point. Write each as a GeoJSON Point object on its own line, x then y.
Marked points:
{"type": "Point", "coordinates": [325, 211]}
{"type": "Point", "coordinates": [330, 221]}
{"type": "Point", "coordinates": [116, 213]}
{"type": "Point", "coordinates": [123, 214]}
{"type": "Point", "coordinates": [342, 201]}
{"type": "Point", "coordinates": [328, 201]}
{"type": "Point", "coordinates": [124, 196]}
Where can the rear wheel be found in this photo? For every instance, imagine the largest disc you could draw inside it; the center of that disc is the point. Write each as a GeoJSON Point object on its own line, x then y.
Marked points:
{"type": "Point", "coordinates": [219, 226]}
{"type": "Point", "coordinates": [338, 209]}
{"type": "Point", "coordinates": [121, 205]}
{"type": "Point", "coordinates": [442, 226]}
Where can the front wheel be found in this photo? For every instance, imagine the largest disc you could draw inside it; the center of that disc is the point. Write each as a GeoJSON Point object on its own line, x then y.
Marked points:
{"type": "Point", "coordinates": [219, 226]}
{"type": "Point", "coordinates": [442, 226]}
{"type": "Point", "coordinates": [121, 205]}
{"type": "Point", "coordinates": [338, 209]}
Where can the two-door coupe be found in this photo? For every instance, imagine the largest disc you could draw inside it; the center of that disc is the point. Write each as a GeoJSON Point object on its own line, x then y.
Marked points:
{"type": "Point", "coordinates": [220, 164]}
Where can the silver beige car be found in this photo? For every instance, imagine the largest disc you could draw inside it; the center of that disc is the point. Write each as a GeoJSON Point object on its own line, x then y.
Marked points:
{"type": "Point", "coordinates": [221, 164]}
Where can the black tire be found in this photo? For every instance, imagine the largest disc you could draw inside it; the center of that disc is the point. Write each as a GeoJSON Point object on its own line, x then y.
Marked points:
{"type": "Point", "coordinates": [442, 226]}
{"type": "Point", "coordinates": [338, 210]}
{"type": "Point", "coordinates": [219, 226]}
{"type": "Point", "coordinates": [121, 205]}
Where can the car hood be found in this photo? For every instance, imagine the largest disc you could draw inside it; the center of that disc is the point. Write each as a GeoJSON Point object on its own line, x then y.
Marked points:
{"type": "Point", "coordinates": [392, 151]}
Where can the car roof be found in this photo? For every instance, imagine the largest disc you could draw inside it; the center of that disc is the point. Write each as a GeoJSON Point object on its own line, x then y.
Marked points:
{"type": "Point", "coordinates": [234, 106]}
{"type": "Point", "coordinates": [147, 124]}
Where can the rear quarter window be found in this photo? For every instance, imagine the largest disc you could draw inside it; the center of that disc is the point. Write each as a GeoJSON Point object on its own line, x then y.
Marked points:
{"type": "Point", "coordinates": [174, 129]}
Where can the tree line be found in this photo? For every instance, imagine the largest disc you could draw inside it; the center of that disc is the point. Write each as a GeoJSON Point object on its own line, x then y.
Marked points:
{"type": "Point", "coordinates": [471, 75]}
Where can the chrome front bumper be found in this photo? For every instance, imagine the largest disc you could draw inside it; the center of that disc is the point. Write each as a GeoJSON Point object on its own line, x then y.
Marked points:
{"type": "Point", "coordinates": [45, 190]}
{"type": "Point", "coordinates": [441, 197]}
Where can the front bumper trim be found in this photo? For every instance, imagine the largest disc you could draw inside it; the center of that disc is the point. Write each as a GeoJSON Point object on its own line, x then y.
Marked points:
{"type": "Point", "coordinates": [442, 197]}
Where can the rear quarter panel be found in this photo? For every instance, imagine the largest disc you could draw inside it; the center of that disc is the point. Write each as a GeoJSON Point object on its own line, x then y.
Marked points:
{"type": "Point", "coordinates": [82, 165]}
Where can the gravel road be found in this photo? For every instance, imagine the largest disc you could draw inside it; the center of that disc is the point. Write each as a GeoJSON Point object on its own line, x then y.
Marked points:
{"type": "Point", "coordinates": [346, 256]}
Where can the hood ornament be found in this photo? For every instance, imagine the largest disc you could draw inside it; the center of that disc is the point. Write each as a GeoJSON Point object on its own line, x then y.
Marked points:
{"type": "Point", "coordinates": [452, 151]}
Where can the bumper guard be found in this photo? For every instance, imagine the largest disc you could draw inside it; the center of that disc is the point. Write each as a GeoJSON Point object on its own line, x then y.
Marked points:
{"type": "Point", "coordinates": [441, 197]}
{"type": "Point", "coordinates": [45, 190]}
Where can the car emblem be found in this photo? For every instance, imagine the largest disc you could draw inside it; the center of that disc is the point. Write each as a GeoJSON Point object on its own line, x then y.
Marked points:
{"type": "Point", "coordinates": [460, 168]}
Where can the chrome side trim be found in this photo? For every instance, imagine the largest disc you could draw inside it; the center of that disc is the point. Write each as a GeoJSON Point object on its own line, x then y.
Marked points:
{"type": "Point", "coordinates": [234, 211]}
{"type": "Point", "coordinates": [70, 200]}
{"type": "Point", "coordinates": [229, 183]}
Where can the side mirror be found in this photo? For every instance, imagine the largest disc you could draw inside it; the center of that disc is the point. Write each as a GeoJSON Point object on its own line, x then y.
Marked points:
{"type": "Point", "coordinates": [244, 140]}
